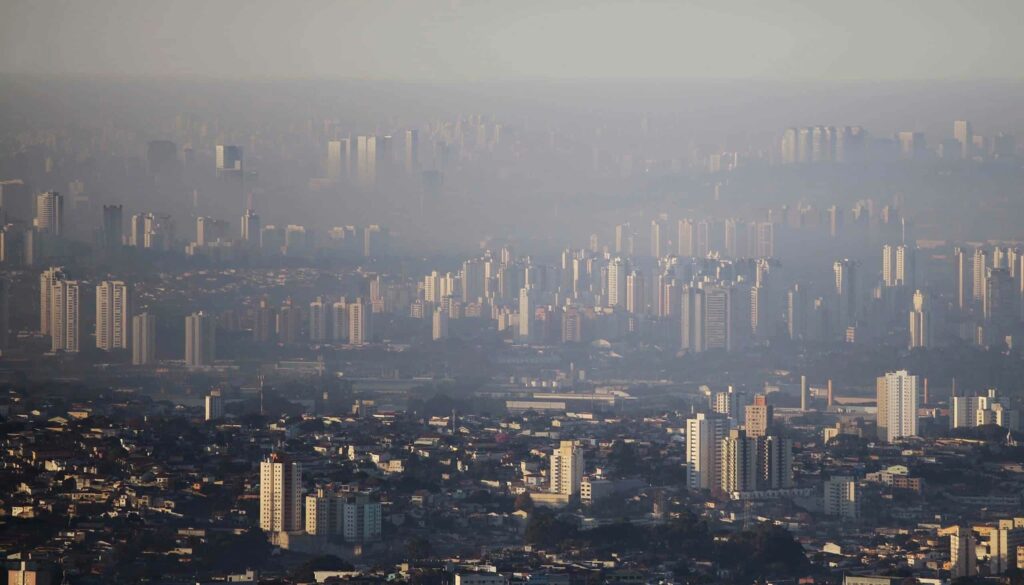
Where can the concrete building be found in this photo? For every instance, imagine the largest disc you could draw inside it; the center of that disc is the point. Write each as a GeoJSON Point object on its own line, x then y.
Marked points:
{"type": "Point", "coordinates": [143, 339]}
{"type": "Point", "coordinates": [566, 469]}
{"type": "Point", "coordinates": [280, 494]}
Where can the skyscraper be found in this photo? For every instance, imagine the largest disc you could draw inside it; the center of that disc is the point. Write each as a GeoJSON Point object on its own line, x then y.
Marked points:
{"type": "Point", "coordinates": [685, 243]}
{"type": "Point", "coordinates": [440, 324]}
{"type": "Point", "coordinates": [717, 318]}
{"type": "Point", "coordinates": [214, 405]}
{"type": "Point", "coordinates": [846, 292]}
{"type": "Point", "coordinates": [759, 417]}
{"type": "Point", "coordinates": [47, 279]}
{"type": "Point", "coordinates": [339, 320]}
{"type": "Point", "coordinates": [5, 313]}
{"type": "Point", "coordinates": [775, 462]}
{"type": "Point", "coordinates": [318, 320]}
{"type": "Point", "coordinates": [739, 466]}
{"type": "Point", "coordinates": [49, 213]}
{"type": "Point", "coordinates": [113, 228]}
{"type": "Point", "coordinates": [366, 161]}
{"type": "Point", "coordinates": [525, 314]}
{"type": "Point", "coordinates": [250, 227]}
{"type": "Point", "coordinates": [412, 150]}
{"type": "Point", "coordinates": [901, 402]}
{"type": "Point", "coordinates": [228, 159]}
{"type": "Point", "coordinates": [979, 268]}
{"type": "Point", "coordinates": [635, 293]}
{"type": "Point", "coordinates": [572, 325]}
{"type": "Point", "coordinates": [339, 159]}
{"type": "Point", "coordinates": [919, 322]}
{"type": "Point", "coordinates": [960, 277]}
{"type": "Point", "coordinates": [964, 134]}
{"type": "Point", "coordinates": [566, 469]}
{"type": "Point", "coordinates": [200, 339]}
{"type": "Point", "coordinates": [280, 494]}
{"type": "Point", "coordinates": [113, 315]}
{"type": "Point", "coordinates": [143, 339]}
{"type": "Point", "coordinates": [359, 331]}
{"type": "Point", "coordinates": [704, 435]}
{"type": "Point", "coordinates": [617, 271]}
{"type": "Point", "coordinates": [64, 315]}
{"type": "Point", "coordinates": [692, 320]}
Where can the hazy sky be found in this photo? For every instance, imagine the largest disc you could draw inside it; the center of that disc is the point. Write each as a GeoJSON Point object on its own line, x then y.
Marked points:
{"type": "Point", "coordinates": [424, 39]}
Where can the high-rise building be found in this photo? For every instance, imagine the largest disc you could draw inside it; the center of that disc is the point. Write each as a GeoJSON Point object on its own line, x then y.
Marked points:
{"type": "Point", "coordinates": [250, 227]}
{"type": "Point", "coordinates": [704, 435]}
{"type": "Point", "coordinates": [47, 279]}
{"type": "Point", "coordinates": [366, 161]}
{"type": "Point", "coordinates": [361, 518]}
{"type": "Point", "coordinates": [1000, 304]}
{"type": "Point", "coordinates": [805, 396]}
{"type": "Point", "coordinates": [200, 339]}
{"type": "Point", "coordinates": [964, 134]}
{"type": "Point", "coordinates": [759, 417]}
{"type": "Point", "coordinates": [963, 560]}
{"type": "Point", "coordinates": [65, 322]}
{"type": "Point", "coordinates": [775, 462]}
{"type": "Point", "coordinates": [16, 201]}
{"type": "Point", "coordinates": [796, 312]}
{"type": "Point", "coordinates": [686, 243]}
{"type": "Point", "coordinates": [280, 494]}
{"type": "Point", "coordinates": [919, 322]}
{"type": "Point", "coordinates": [228, 159]}
{"type": "Point", "coordinates": [728, 403]}
{"type": "Point", "coordinates": [209, 230]}
{"type": "Point", "coordinates": [572, 325]}
{"type": "Point", "coordinates": [5, 313]}
{"type": "Point", "coordinates": [718, 318]}
{"type": "Point", "coordinates": [617, 272]}
{"type": "Point", "coordinates": [113, 315]}
{"type": "Point", "coordinates": [318, 321]}
{"type": "Point", "coordinates": [566, 468]}
{"type": "Point", "coordinates": [339, 159]}
{"type": "Point", "coordinates": [526, 310]}
{"type": "Point", "coordinates": [635, 293]}
{"type": "Point", "coordinates": [289, 322]}
{"type": "Point", "coordinates": [846, 292]}
{"type": "Point", "coordinates": [692, 319]}
{"type": "Point", "coordinates": [901, 403]}
{"type": "Point", "coordinates": [739, 465]}
{"type": "Point", "coordinates": [979, 274]}
{"type": "Point", "coordinates": [151, 231]}
{"type": "Point", "coordinates": [657, 238]}
{"type": "Point", "coordinates": [912, 145]}
{"type": "Point", "coordinates": [359, 326]}
{"type": "Point", "coordinates": [339, 320]}
{"type": "Point", "coordinates": [214, 405]}
{"type": "Point", "coordinates": [440, 324]}
{"type": "Point", "coordinates": [841, 498]}
{"type": "Point", "coordinates": [113, 228]}
{"type": "Point", "coordinates": [143, 339]}
{"type": "Point", "coordinates": [960, 277]}
{"type": "Point", "coordinates": [49, 213]}
{"type": "Point", "coordinates": [623, 239]}
{"type": "Point", "coordinates": [764, 246]}
{"type": "Point", "coordinates": [412, 151]}
{"type": "Point", "coordinates": [324, 513]}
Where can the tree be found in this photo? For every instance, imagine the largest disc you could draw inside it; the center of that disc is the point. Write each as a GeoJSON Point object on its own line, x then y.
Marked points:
{"type": "Point", "coordinates": [524, 502]}
{"type": "Point", "coordinates": [418, 548]}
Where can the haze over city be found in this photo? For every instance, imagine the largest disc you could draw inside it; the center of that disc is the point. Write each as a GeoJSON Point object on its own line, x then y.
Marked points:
{"type": "Point", "coordinates": [492, 293]}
